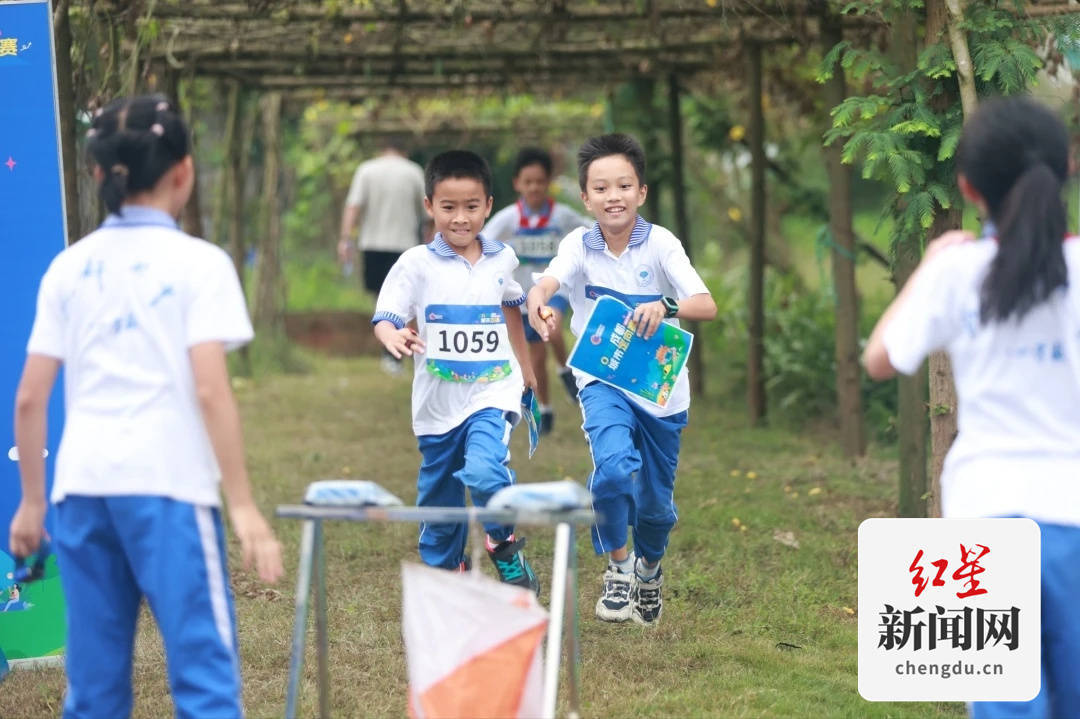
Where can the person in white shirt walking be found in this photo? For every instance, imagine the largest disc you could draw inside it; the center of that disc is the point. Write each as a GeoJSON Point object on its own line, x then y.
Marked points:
{"type": "Point", "coordinates": [141, 315]}
{"type": "Point", "coordinates": [1006, 309]}
{"type": "Point", "coordinates": [386, 202]}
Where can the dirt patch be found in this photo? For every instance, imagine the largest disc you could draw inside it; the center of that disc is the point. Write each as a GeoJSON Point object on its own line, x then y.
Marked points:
{"type": "Point", "coordinates": [338, 332]}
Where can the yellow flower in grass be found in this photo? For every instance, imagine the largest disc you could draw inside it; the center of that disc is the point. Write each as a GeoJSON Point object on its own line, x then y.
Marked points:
{"type": "Point", "coordinates": [751, 475]}
{"type": "Point", "coordinates": [735, 473]}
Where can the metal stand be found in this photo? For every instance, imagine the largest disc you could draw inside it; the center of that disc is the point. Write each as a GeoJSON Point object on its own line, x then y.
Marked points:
{"type": "Point", "coordinates": [563, 588]}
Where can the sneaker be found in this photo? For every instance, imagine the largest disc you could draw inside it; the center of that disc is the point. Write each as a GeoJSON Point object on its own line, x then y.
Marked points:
{"type": "Point", "coordinates": [512, 566]}
{"type": "Point", "coordinates": [647, 598]}
{"type": "Point", "coordinates": [614, 603]}
{"type": "Point", "coordinates": [547, 421]}
{"type": "Point", "coordinates": [465, 567]}
{"type": "Point", "coordinates": [567, 377]}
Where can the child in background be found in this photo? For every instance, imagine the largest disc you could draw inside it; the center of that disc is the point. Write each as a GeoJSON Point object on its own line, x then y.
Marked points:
{"type": "Point", "coordinates": [533, 227]}
{"type": "Point", "coordinates": [471, 359]}
{"type": "Point", "coordinates": [1006, 309]}
{"type": "Point", "coordinates": [141, 316]}
{"type": "Point", "coordinates": [634, 444]}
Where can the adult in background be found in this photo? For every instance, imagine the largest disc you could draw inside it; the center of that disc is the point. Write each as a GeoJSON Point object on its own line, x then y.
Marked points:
{"type": "Point", "coordinates": [386, 202]}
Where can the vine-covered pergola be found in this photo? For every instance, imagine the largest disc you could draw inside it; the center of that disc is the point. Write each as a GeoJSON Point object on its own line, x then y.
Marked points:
{"type": "Point", "coordinates": [356, 50]}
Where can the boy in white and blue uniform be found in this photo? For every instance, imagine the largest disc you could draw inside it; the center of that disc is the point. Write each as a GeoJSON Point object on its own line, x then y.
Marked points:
{"type": "Point", "coordinates": [470, 357]}
{"type": "Point", "coordinates": [533, 227]}
{"type": "Point", "coordinates": [634, 444]}
{"type": "Point", "coordinates": [141, 315]}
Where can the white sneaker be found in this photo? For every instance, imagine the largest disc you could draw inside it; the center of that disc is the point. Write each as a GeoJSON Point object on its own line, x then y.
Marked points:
{"type": "Point", "coordinates": [614, 602]}
{"type": "Point", "coordinates": [647, 598]}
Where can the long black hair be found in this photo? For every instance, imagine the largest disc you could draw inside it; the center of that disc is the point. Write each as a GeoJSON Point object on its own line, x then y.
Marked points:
{"type": "Point", "coordinates": [135, 141]}
{"type": "Point", "coordinates": [1015, 153]}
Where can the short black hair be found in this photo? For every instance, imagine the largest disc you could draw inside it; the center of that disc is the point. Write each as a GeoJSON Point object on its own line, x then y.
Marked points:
{"type": "Point", "coordinates": [135, 141]}
{"type": "Point", "coordinates": [532, 156]}
{"type": "Point", "coordinates": [456, 164]}
{"type": "Point", "coordinates": [606, 145]}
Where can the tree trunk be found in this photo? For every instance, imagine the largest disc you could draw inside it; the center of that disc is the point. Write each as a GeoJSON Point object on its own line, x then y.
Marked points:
{"type": "Point", "coordinates": [911, 411]}
{"type": "Point", "coordinates": [848, 394]}
{"type": "Point", "coordinates": [65, 88]}
{"type": "Point", "coordinates": [191, 215]}
{"type": "Point", "coordinates": [755, 371]}
{"type": "Point", "coordinates": [230, 222]}
{"type": "Point", "coordinates": [911, 391]}
{"type": "Point", "coordinates": [269, 290]}
{"type": "Point", "coordinates": [682, 225]}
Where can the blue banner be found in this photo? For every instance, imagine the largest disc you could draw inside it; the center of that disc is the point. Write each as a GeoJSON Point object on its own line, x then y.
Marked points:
{"type": "Point", "coordinates": [610, 350]}
{"type": "Point", "coordinates": [32, 231]}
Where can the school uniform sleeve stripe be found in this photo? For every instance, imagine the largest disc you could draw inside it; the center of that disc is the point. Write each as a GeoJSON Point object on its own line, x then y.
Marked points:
{"type": "Point", "coordinates": [390, 317]}
{"type": "Point", "coordinates": [515, 302]}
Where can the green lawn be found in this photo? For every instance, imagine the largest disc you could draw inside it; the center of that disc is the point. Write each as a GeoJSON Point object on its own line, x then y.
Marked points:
{"type": "Point", "coordinates": [736, 597]}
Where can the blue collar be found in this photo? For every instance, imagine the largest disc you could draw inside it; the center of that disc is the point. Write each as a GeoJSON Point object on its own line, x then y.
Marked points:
{"type": "Point", "coordinates": [140, 216]}
{"type": "Point", "coordinates": [594, 238]}
{"type": "Point", "coordinates": [443, 249]}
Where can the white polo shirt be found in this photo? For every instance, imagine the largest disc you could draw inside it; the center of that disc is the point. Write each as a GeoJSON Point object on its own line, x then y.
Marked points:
{"type": "Point", "coordinates": [1017, 384]}
{"type": "Point", "coordinates": [120, 309]}
{"type": "Point", "coordinates": [533, 236]}
{"type": "Point", "coordinates": [654, 265]}
{"type": "Point", "coordinates": [469, 364]}
{"type": "Point", "coordinates": [389, 192]}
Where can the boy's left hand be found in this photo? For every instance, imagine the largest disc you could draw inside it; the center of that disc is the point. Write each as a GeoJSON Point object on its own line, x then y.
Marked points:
{"type": "Point", "coordinates": [27, 528]}
{"type": "Point", "coordinates": [649, 316]}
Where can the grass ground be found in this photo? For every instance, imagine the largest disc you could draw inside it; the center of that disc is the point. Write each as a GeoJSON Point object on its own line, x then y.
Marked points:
{"type": "Point", "coordinates": [737, 599]}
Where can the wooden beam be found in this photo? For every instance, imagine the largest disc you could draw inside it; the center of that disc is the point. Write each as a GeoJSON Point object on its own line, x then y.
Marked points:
{"type": "Point", "coordinates": [755, 371]}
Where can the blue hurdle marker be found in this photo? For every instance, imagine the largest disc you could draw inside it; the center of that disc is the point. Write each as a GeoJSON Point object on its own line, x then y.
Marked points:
{"type": "Point", "coordinates": [562, 504]}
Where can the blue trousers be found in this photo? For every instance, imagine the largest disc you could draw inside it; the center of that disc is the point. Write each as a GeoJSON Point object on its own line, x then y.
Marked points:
{"type": "Point", "coordinates": [635, 455]}
{"type": "Point", "coordinates": [1059, 691]}
{"type": "Point", "coordinates": [112, 552]}
{"type": "Point", "coordinates": [473, 455]}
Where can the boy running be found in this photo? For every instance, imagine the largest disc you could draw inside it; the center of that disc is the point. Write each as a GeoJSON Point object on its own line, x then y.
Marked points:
{"type": "Point", "coordinates": [471, 361]}
{"type": "Point", "coordinates": [634, 444]}
{"type": "Point", "coordinates": [533, 226]}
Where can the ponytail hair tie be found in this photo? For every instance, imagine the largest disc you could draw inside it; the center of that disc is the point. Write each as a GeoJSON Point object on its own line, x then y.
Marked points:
{"type": "Point", "coordinates": [119, 169]}
{"type": "Point", "coordinates": [157, 129]}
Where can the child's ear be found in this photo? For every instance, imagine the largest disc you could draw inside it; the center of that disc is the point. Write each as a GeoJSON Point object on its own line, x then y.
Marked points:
{"type": "Point", "coordinates": [585, 200]}
{"type": "Point", "coordinates": [969, 192]}
{"type": "Point", "coordinates": [490, 203]}
{"type": "Point", "coordinates": [428, 208]}
{"type": "Point", "coordinates": [644, 193]}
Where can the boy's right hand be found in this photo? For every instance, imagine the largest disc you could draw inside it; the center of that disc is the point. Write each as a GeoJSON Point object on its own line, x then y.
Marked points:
{"type": "Point", "coordinates": [542, 319]}
{"type": "Point", "coordinates": [258, 545]}
{"type": "Point", "coordinates": [404, 341]}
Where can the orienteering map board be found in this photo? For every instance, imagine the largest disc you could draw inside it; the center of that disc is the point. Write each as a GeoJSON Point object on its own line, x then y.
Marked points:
{"type": "Point", "coordinates": [32, 232]}
{"type": "Point", "coordinates": [609, 350]}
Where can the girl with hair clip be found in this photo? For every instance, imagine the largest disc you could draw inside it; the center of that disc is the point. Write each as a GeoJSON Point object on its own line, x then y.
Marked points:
{"type": "Point", "coordinates": [1006, 309]}
{"type": "Point", "coordinates": [141, 315]}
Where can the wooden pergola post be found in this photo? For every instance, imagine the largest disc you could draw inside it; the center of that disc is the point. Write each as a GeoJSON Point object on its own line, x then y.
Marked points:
{"type": "Point", "coordinates": [682, 223]}
{"type": "Point", "coordinates": [755, 370]}
{"type": "Point", "coordinates": [269, 290]}
{"type": "Point", "coordinates": [848, 373]}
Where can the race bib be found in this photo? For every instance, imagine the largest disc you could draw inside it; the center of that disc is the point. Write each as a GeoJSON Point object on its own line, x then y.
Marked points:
{"type": "Point", "coordinates": [467, 343]}
{"type": "Point", "coordinates": [536, 244]}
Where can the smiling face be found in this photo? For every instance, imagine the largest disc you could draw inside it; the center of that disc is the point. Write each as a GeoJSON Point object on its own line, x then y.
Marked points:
{"type": "Point", "coordinates": [458, 207]}
{"type": "Point", "coordinates": [613, 193]}
{"type": "Point", "coordinates": [531, 183]}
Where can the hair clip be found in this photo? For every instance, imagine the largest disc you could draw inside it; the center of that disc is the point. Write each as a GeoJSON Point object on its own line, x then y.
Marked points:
{"type": "Point", "coordinates": [157, 129]}
{"type": "Point", "coordinates": [119, 169]}
{"type": "Point", "coordinates": [162, 106]}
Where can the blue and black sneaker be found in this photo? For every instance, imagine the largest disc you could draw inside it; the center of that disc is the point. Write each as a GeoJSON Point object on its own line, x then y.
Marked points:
{"type": "Point", "coordinates": [511, 564]}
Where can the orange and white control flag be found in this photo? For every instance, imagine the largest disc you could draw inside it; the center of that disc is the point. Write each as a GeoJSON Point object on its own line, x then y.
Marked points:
{"type": "Point", "coordinates": [473, 645]}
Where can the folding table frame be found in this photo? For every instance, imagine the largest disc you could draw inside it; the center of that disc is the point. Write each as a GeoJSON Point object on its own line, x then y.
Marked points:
{"type": "Point", "coordinates": [564, 604]}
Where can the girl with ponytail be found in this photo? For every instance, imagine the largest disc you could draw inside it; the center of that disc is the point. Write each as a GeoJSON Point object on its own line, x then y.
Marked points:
{"type": "Point", "coordinates": [141, 316]}
{"type": "Point", "coordinates": [1006, 309]}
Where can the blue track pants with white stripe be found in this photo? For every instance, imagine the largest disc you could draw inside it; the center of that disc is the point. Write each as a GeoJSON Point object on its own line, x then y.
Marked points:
{"type": "Point", "coordinates": [635, 455]}
{"type": "Point", "coordinates": [475, 454]}
{"type": "Point", "coordinates": [112, 552]}
{"type": "Point", "coordinates": [1059, 692]}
